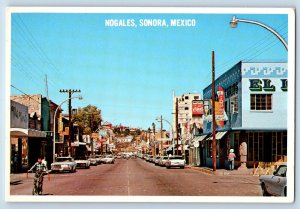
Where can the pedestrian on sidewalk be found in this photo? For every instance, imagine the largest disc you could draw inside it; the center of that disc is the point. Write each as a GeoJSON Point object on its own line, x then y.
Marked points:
{"type": "Point", "coordinates": [231, 157]}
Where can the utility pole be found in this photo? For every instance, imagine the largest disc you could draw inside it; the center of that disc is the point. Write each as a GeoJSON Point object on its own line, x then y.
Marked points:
{"type": "Point", "coordinates": [92, 140]}
{"type": "Point", "coordinates": [161, 135]}
{"type": "Point", "coordinates": [177, 134]}
{"type": "Point", "coordinates": [214, 143]}
{"type": "Point", "coordinates": [154, 142]}
{"type": "Point", "coordinates": [70, 91]}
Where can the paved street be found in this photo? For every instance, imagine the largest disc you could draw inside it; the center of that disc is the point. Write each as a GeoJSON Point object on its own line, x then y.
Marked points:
{"type": "Point", "coordinates": [137, 177]}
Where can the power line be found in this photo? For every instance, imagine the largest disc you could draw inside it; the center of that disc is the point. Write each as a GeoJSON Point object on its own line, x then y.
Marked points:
{"type": "Point", "coordinates": [24, 93]}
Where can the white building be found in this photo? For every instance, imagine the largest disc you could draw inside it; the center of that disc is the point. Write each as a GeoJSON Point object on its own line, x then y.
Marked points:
{"type": "Point", "coordinates": [187, 116]}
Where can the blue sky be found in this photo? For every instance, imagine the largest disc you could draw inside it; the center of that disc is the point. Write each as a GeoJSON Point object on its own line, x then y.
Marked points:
{"type": "Point", "coordinates": [130, 72]}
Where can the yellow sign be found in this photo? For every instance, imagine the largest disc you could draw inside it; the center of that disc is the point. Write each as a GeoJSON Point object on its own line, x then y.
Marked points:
{"type": "Point", "coordinates": [95, 135]}
{"type": "Point", "coordinates": [60, 123]}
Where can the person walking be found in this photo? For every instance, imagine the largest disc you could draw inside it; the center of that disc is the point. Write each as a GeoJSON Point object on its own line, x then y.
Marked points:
{"type": "Point", "coordinates": [231, 157]}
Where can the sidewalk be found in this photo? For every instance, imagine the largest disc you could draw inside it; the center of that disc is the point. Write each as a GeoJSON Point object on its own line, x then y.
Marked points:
{"type": "Point", "coordinates": [15, 178]}
{"type": "Point", "coordinates": [221, 172]}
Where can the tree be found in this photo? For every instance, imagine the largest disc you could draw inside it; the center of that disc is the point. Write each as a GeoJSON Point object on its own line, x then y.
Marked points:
{"type": "Point", "coordinates": [88, 118]}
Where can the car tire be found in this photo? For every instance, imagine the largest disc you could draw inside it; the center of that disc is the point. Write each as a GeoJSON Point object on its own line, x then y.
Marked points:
{"type": "Point", "coordinates": [182, 167]}
{"type": "Point", "coordinates": [264, 190]}
{"type": "Point", "coordinates": [167, 167]}
{"type": "Point", "coordinates": [285, 189]}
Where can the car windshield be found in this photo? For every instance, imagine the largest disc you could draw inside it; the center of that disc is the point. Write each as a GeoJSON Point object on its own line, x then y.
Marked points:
{"type": "Point", "coordinates": [109, 156]}
{"type": "Point", "coordinates": [65, 159]}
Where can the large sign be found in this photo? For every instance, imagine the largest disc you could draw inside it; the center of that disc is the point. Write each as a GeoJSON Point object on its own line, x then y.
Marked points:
{"type": "Point", "coordinates": [60, 124]}
{"type": "Point", "coordinates": [18, 115]}
{"type": "Point", "coordinates": [266, 85]}
{"type": "Point", "coordinates": [197, 107]}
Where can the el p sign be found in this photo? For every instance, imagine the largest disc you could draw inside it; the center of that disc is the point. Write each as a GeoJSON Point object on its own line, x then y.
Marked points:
{"type": "Point", "coordinates": [266, 85]}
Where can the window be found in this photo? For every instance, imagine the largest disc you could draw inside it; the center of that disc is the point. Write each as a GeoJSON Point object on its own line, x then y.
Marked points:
{"type": "Point", "coordinates": [196, 97]}
{"type": "Point", "coordinates": [186, 97]}
{"type": "Point", "coordinates": [186, 108]}
{"type": "Point", "coordinates": [234, 108]}
{"type": "Point", "coordinates": [261, 101]}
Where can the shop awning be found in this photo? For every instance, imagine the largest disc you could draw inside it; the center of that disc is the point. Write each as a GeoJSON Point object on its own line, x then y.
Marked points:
{"type": "Point", "coordinates": [169, 148]}
{"type": "Point", "coordinates": [199, 138]}
{"type": "Point", "coordinates": [21, 132]}
{"type": "Point", "coordinates": [77, 144]}
{"type": "Point", "coordinates": [164, 140]}
{"type": "Point", "coordinates": [219, 135]}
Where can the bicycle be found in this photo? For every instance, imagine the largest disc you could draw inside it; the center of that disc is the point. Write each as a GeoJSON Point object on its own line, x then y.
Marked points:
{"type": "Point", "coordinates": [38, 182]}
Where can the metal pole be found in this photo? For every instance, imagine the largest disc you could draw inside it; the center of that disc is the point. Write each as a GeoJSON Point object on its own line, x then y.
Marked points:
{"type": "Point", "coordinates": [177, 126]}
{"type": "Point", "coordinates": [54, 125]}
{"type": "Point", "coordinates": [161, 136]}
{"type": "Point", "coordinates": [214, 144]}
{"type": "Point", "coordinates": [235, 20]}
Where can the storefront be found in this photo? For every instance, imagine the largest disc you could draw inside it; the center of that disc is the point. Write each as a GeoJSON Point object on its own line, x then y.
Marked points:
{"type": "Point", "coordinates": [255, 104]}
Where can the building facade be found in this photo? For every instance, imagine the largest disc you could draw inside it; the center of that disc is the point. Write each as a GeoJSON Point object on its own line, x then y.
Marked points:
{"type": "Point", "coordinates": [187, 119]}
{"type": "Point", "coordinates": [255, 104]}
{"type": "Point", "coordinates": [39, 139]}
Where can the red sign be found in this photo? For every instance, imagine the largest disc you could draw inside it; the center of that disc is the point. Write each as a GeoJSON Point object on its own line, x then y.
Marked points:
{"type": "Point", "coordinates": [197, 107]}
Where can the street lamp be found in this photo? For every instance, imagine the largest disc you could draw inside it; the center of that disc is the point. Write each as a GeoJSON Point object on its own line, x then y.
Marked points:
{"type": "Point", "coordinates": [158, 119]}
{"type": "Point", "coordinates": [54, 125]}
{"type": "Point", "coordinates": [234, 21]}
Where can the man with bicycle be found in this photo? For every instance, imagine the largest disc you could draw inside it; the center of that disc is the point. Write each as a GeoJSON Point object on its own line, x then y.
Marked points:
{"type": "Point", "coordinates": [39, 169]}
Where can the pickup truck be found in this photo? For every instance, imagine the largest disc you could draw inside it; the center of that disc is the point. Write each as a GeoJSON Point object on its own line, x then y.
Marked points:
{"type": "Point", "coordinates": [175, 161]}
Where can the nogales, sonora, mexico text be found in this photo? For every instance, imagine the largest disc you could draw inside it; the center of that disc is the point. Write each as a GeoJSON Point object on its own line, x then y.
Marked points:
{"type": "Point", "coordinates": [150, 23]}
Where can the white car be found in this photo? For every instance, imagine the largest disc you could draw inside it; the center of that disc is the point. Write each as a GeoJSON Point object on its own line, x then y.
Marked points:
{"type": "Point", "coordinates": [156, 159]}
{"type": "Point", "coordinates": [82, 162]}
{"type": "Point", "coordinates": [162, 160]}
{"type": "Point", "coordinates": [275, 184]}
{"type": "Point", "coordinates": [175, 161]}
{"type": "Point", "coordinates": [93, 161]}
{"type": "Point", "coordinates": [108, 159]}
{"type": "Point", "coordinates": [64, 164]}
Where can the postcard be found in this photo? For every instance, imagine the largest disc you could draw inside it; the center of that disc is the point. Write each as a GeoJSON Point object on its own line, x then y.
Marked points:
{"type": "Point", "coordinates": [150, 104]}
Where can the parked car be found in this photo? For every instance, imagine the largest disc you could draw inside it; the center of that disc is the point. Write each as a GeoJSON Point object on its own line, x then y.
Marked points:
{"type": "Point", "coordinates": [98, 159]}
{"type": "Point", "coordinates": [156, 160]}
{"type": "Point", "coordinates": [175, 161]}
{"type": "Point", "coordinates": [150, 158]}
{"type": "Point", "coordinates": [82, 162]}
{"type": "Point", "coordinates": [93, 161]}
{"type": "Point", "coordinates": [64, 164]}
{"type": "Point", "coordinates": [146, 157]}
{"type": "Point", "coordinates": [275, 184]}
{"type": "Point", "coordinates": [162, 160]}
{"type": "Point", "coordinates": [108, 159]}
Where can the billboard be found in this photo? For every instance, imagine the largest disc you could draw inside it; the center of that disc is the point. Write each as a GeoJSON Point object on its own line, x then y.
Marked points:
{"type": "Point", "coordinates": [197, 107]}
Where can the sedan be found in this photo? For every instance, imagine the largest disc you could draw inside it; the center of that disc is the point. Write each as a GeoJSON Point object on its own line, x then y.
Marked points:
{"type": "Point", "coordinates": [64, 164]}
{"type": "Point", "coordinates": [275, 184]}
{"type": "Point", "coordinates": [162, 160]}
{"type": "Point", "coordinates": [82, 162]}
{"type": "Point", "coordinates": [108, 159]}
{"type": "Point", "coordinates": [93, 161]}
{"type": "Point", "coordinates": [175, 161]}
{"type": "Point", "coordinates": [156, 159]}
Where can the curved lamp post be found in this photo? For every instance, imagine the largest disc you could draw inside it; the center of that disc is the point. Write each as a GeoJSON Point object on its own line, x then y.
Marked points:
{"type": "Point", "coordinates": [54, 125]}
{"type": "Point", "coordinates": [158, 119]}
{"type": "Point", "coordinates": [234, 21]}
